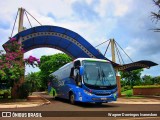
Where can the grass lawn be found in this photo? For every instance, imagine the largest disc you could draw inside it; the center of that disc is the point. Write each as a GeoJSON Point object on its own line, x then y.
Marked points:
{"type": "Point", "coordinates": [135, 97]}
{"type": "Point", "coordinates": [127, 92]}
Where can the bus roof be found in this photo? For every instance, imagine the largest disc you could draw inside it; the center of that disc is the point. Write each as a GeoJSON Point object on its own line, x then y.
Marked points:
{"type": "Point", "coordinates": [91, 59]}
{"type": "Point", "coordinates": [81, 59]}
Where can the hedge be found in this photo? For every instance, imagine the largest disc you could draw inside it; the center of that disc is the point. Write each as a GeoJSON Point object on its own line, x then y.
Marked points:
{"type": "Point", "coordinates": [147, 86]}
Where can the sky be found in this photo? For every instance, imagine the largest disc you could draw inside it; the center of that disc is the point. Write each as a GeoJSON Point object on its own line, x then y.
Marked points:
{"type": "Point", "coordinates": [127, 21]}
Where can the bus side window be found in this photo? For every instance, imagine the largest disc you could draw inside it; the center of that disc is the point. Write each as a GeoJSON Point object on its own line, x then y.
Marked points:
{"type": "Point", "coordinates": [77, 64]}
{"type": "Point", "coordinates": [77, 77]}
{"type": "Point", "coordinates": [72, 73]}
{"type": "Point", "coordinates": [55, 81]}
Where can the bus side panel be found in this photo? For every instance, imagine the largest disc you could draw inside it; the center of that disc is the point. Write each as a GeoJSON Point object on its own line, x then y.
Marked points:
{"type": "Point", "coordinates": [74, 89]}
{"type": "Point", "coordinates": [68, 83]}
{"type": "Point", "coordinates": [64, 87]}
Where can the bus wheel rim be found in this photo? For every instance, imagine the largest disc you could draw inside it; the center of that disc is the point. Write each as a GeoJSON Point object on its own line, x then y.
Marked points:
{"type": "Point", "coordinates": [72, 98]}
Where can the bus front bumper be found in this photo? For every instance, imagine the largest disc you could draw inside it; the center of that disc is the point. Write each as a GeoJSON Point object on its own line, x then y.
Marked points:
{"type": "Point", "coordinates": [84, 97]}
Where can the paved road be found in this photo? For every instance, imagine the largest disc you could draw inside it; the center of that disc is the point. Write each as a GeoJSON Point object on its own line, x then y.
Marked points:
{"type": "Point", "coordinates": [64, 105]}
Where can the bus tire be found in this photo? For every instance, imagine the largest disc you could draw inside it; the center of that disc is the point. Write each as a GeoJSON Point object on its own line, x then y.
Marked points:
{"type": "Point", "coordinates": [71, 98]}
{"type": "Point", "coordinates": [54, 95]}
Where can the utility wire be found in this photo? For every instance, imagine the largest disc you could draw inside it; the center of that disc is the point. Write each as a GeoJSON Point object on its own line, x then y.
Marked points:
{"type": "Point", "coordinates": [28, 19]}
{"type": "Point", "coordinates": [33, 17]}
{"type": "Point", "coordinates": [124, 51]}
{"type": "Point", "coordinates": [14, 23]}
{"type": "Point", "coordinates": [102, 43]}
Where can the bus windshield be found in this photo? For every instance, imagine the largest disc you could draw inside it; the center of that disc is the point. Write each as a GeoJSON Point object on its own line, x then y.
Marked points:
{"type": "Point", "coordinates": [98, 73]}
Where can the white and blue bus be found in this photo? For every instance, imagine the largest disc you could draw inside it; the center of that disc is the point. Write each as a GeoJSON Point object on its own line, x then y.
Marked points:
{"type": "Point", "coordinates": [85, 80]}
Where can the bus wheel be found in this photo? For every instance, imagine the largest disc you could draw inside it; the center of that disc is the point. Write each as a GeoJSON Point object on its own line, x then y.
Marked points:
{"type": "Point", "coordinates": [71, 98]}
{"type": "Point", "coordinates": [54, 95]}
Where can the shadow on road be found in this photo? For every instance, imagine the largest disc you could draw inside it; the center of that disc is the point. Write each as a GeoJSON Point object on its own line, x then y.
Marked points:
{"type": "Point", "coordinates": [86, 105]}
{"type": "Point", "coordinates": [78, 104]}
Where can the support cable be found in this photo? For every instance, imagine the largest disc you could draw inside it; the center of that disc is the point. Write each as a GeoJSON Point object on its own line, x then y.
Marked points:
{"type": "Point", "coordinates": [119, 54]}
{"type": "Point", "coordinates": [107, 48]}
{"type": "Point", "coordinates": [28, 19]}
{"type": "Point", "coordinates": [33, 17]}
{"type": "Point", "coordinates": [14, 23]}
{"type": "Point", "coordinates": [124, 51]}
{"type": "Point", "coordinates": [102, 43]}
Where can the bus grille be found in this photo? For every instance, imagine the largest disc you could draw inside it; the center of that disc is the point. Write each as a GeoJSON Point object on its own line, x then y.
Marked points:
{"type": "Point", "coordinates": [100, 94]}
{"type": "Point", "coordinates": [102, 99]}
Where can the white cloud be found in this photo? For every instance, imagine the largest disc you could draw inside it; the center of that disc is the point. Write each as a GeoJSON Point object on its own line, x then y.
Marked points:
{"type": "Point", "coordinates": [121, 7]}
{"type": "Point", "coordinates": [117, 8]}
{"type": "Point", "coordinates": [51, 51]}
{"type": "Point", "coordinates": [112, 22]}
{"type": "Point", "coordinates": [61, 8]}
{"type": "Point", "coordinates": [101, 8]}
{"type": "Point", "coordinates": [130, 50]}
{"type": "Point", "coordinates": [89, 1]}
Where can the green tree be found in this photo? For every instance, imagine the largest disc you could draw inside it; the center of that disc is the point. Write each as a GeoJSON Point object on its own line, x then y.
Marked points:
{"type": "Point", "coordinates": [156, 80]}
{"type": "Point", "coordinates": [147, 80]}
{"type": "Point", "coordinates": [51, 63]}
{"type": "Point", "coordinates": [132, 78]}
{"type": "Point", "coordinates": [12, 66]}
{"type": "Point", "coordinates": [33, 80]}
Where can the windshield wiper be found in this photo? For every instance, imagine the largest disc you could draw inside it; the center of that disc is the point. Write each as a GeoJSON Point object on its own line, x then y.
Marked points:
{"type": "Point", "coordinates": [103, 77]}
{"type": "Point", "coordinates": [98, 77]}
{"type": "Point", "coordinates": [85, 74]}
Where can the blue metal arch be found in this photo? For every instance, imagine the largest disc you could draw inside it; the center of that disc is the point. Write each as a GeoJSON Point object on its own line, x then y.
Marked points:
{"type": "Point", "coordinates": [70, 43]}
{"type": "Point", "coordinates": [59, 38]}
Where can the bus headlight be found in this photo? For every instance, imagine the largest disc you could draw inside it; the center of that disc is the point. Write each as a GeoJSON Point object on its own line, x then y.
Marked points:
{"type": "Point", "coordinates": [115, 94]}
{"type": "Point", "coordinates": [88, 93]}
{"type": "Point", "coordinates": [79, 93]}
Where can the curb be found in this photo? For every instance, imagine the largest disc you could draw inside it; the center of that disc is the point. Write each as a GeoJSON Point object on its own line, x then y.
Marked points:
{"type": "Point", "coordinates": [120, 102]}
{"type": "Point", "coordinates": [29, 104]}
{"type": "Point", "coordinates": [137, 101]}
{"type": "Point", "coordinates": [19, 106]}
{"type": "Point", "coordinates": [46, 101]}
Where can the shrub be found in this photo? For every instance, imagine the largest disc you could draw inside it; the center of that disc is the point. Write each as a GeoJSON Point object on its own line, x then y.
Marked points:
{"type": "Point", "coordinates": [129, 93]}
{"type": "Point", "coordinates": [122, 89]}
{"type": "Point", "coordinates": [24, 90]}
{"type": "Point", "coordinates": [5, 93]}
{"type": "Point", "coordinates": [127, 88]}
{"type": "Point", "coordinates": [147, 86]}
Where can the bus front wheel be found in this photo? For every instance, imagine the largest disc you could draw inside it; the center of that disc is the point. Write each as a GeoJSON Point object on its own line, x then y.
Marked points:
{"type": "Point", "coordinates": [71, 98]}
